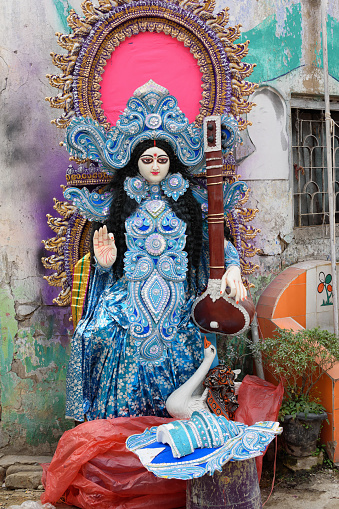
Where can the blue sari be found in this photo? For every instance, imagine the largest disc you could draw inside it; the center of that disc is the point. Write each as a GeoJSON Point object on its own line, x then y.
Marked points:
{"type": "Point", "coordinates": [136, 342]}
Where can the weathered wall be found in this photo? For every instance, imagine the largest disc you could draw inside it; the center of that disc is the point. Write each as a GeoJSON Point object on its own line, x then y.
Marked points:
{"type": "Point", "coordinates": [285, 42]}
{"type": "Point", "coordinates": [35, 335]}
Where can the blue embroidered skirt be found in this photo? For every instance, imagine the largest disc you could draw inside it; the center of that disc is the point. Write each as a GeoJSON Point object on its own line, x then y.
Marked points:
{"type": "Point", "coordinates": [105, 378]}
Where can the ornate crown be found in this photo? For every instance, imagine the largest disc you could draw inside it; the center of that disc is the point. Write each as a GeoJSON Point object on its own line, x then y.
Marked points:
{"type": "Point", "coordinates": [151, 113]}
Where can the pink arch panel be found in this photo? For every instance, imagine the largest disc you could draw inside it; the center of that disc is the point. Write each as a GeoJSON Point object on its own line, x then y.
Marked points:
{"type": "Point", "coordinates": [155, 56]}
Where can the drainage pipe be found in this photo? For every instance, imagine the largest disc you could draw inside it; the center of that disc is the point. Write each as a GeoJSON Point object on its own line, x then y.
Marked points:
{"type": "Point", "coordinates": [257, 358]}
{"type": "Point", "coordinates": [331, 202]}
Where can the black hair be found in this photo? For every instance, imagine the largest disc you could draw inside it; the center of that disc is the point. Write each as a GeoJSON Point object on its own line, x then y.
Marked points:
{"type": "Point", "coordinates": [227, 234]}
{"type": "Point", "coordinates": [186, 208]}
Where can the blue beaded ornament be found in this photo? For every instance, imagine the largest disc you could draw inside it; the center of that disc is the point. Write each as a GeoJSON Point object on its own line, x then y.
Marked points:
{"type": "Point", "coordinates": [136, 188]}
{"type": "Point", "coordinates": [174, 185]}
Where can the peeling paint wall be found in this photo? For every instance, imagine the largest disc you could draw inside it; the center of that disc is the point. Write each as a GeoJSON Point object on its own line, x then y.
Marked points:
{"type": "Point", "coordinates": [286, 43]}
{"type": "Point", "coordinates": [35, 335]}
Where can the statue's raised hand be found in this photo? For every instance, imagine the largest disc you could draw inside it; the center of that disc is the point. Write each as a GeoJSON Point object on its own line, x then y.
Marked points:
{"type": "Point", "coordinates": [105, 250]}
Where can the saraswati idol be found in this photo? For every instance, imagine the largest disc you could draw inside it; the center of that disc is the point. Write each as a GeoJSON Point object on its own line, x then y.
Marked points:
{"type": "Point", "coordinates": [156, 232]}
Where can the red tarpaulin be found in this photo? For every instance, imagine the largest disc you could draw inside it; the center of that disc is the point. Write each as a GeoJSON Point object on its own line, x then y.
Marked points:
{"type": "Point", "coordinates": [92, 469]}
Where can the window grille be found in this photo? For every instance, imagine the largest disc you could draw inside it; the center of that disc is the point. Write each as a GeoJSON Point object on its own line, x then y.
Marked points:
{"type": "Point", "coordinates": [310, 168]}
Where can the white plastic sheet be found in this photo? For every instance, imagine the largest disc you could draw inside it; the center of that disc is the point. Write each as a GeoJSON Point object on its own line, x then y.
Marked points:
{"type": "Point", "coordinates": [31, 504]}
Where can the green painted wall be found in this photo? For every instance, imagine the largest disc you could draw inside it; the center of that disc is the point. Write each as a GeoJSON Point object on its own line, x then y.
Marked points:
{"type": "Point", "coordinates": [33, 364]}
{"type": "Point", "coordinates": [62, 8]}
{"type": "Point", "coordinates": [278, 52]}
{"type": "Point", "coordinates": [333, 47]}
{"type": "Point", "coordinates": [275, 55]}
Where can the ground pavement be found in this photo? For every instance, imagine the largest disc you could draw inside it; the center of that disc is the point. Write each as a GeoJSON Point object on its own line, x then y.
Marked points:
{"type": "Point", "coordinates": [312, 490]}
{"type": "Point", "coordinates": [316, 490]}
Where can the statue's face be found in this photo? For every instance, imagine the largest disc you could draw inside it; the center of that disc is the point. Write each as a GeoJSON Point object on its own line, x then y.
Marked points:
{"type": "Point", "coordinates": [153, 165]}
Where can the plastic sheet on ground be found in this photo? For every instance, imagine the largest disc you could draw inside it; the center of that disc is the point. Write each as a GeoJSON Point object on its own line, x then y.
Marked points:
{"type": "Point", "coordinates": [92, 469]}
{"type": "Point", "coordinates": [30, 504]}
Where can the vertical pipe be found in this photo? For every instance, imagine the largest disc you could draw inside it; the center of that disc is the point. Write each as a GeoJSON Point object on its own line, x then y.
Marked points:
{"type": "Point", "coordinates": [255, 338]}
{"type": "Point", "coordinates": [331, 204]}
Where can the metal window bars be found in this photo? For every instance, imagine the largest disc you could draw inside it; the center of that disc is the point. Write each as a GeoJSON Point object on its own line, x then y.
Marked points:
{"type": "Point", "coordinates": [309, 166]}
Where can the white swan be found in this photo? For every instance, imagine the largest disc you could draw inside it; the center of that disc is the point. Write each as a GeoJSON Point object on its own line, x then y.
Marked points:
{"type": "Point", "coordinates": [182, 402]}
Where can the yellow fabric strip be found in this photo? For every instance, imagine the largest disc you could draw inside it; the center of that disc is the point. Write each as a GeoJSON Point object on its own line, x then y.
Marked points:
{"type": "Point", "coordinates": [79, 287]}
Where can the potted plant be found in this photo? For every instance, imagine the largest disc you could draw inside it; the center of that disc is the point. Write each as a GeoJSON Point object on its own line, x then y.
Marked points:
{"type": "Point", "coordinates": [299, 359]}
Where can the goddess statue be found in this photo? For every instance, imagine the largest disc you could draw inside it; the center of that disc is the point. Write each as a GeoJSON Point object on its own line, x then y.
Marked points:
{"type": "Point", "coordinates": [136, 342]}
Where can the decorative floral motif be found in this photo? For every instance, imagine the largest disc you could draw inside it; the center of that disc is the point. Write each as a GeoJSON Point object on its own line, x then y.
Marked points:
{"type": "Point", "coordinates": [233, 193]}
{"type": "Point", "coordinates": [153, 121]}
{"type": "Point", "coordinates": [92, 205]}
{"type": "Point", "coordinates": [325, 284]}
{"type": "Point", "coordinates": [136, 188]}
{"type": "Point", "coordinates": [155, 268]}
{"type": "Point", "coordinates": [155, 207]}
{"type": "Point", "coordinates": [155, 244]}
{"type": "Point", "coordinates": [174, 185]}
{"type": "Point", "coordinates": [155, 293]}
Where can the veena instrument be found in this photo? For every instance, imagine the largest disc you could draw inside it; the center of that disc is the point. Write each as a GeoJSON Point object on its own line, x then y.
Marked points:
{"type": "Point", "coordinates": [212, 312]}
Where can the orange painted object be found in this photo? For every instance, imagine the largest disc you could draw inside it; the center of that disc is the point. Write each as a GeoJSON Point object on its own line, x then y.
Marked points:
{"type": "Point", "coordinates": [283, 304]}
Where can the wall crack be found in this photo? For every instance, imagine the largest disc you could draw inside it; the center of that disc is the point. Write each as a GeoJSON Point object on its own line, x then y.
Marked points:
{"type": "Point", "coordinates": [38, 375]}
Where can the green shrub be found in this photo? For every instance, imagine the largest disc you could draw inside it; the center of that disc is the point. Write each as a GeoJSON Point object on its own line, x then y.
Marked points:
{"type": "Point", "coordinates": [299, 359]}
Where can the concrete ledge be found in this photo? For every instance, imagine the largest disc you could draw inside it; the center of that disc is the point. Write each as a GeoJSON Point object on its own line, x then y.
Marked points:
{"type": "Point", "coordinates": [22, 472]}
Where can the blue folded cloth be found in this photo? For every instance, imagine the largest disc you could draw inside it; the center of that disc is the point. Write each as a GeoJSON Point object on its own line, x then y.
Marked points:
{"type": "Point", "coordinates": [203, 430]}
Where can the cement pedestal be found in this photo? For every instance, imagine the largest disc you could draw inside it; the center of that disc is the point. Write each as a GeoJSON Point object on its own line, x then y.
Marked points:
{"type": "Point", "coordinates": [236, 487]}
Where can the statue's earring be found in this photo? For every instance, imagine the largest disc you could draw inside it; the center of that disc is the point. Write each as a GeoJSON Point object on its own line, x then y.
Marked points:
{"type": "Point", "coordinates": [136, 188]}
{"type": "Point", "coordinates": [174, 185]}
